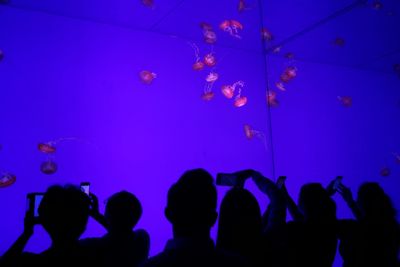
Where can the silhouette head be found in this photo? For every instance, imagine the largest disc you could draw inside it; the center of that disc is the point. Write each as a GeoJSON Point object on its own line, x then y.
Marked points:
{"type": "Point", "coordinates": [315, 203]}
{"type": "Point", "coordinates": [374, 203]}
{"type": "Point", "coordinates": [192, 203]}
{"type": "Point", "coordinates": [240, 219]}
{"type": "Point", "coordinates": [64, 213]}
{"type": "Point", "coordinates": [123, 211]}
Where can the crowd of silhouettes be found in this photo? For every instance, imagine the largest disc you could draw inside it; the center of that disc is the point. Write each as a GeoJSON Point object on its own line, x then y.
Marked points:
{"type": "Point", "coordinates": [246, 235]}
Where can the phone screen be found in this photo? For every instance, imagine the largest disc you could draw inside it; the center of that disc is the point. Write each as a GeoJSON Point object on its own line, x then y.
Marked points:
{"type": "Point", "coordinates": [38, 200]}
{"type": "Point", "coordinates": [85, 187]}
{"type": "Point", "coordinates": [226, 179]}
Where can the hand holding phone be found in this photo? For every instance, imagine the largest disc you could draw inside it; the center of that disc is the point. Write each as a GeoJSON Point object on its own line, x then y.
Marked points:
{"type": "Point", "coordinates": [85, 187]}
{"type": "Point", "coordinates": [32, 209]}
{"type": "Point", "coordinates": [236, 179]}
{"type": "Point", "coordinates": [280, 182]}
{"type": "Point", "coordinates": [337, 183]}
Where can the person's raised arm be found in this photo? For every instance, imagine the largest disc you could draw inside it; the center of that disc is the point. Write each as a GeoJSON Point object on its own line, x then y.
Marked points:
{"type": "Point", "coordinates": [15, 251]}
{"type": "Point", "coordinates": [276, 212]}
{"type": "Point", "coordinates": [95, 212]}
{"type": "Point", "coordinates": [347, 195]}
{"type": "Point", "coordinates": [292, 206]}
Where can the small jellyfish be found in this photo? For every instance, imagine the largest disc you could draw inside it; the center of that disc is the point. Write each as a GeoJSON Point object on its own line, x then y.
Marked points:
{"type": "Point", "coordinates": [232, 27]}
{"type": "Point", "coordinates": [346, 101]}
{"type": "Point", "coordinates": [240, 101]}
{"type": "Point", "coordinates": [7, 179]}
{"type": "Point", "coordinates": [48, 167]}
{"type": "Point", "coordinates": [272, 99]}
{"type": "Point", "coordinates": [1, 55]}
{"type": "Point", "coordinates": [208, 33]}
{"type": "Point", "coordinates": [266, 35]}
{"type": "Point", "coordinates": [242, 6]}
{"type": "Point", "coordinates": [385, 172]}
{"type": "Point", "coordinates": [280, 86]}
{"type": "Point", "coordinates": [198, 65]}
{"type": "Point", "coordinates": [228, 91]}
{"type": "Point", "coordinates": [209, 60]}
{"type": "Point", "coordinates": [47, 148]}
{"type": "Point", "coordinates": [277, 49]}
{"type": "Point", "coordinates": [289, 74]}
{"type": "Point", "coordinates": [212, 77]}
{"type": "Point", "coordinates": [251, 133]}
{"type": "Point", "coordinates": [339, 42]}
{"type": "Point", "coordinates": [147, 77]}
{"type": "Point", "coordinates": [207, 96]}
{"type": "Point", "coordinates": [148, 3]}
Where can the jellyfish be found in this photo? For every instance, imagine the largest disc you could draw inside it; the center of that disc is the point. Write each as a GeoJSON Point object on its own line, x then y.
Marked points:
{"type": "Point", "coordinates": [339, 42]}
{"type": "Point", "coordinates": [209, 60]}
{"type": "Point", "coordinates": [47, 148]}
{"type": "Point", "coordinates": [212, 77]}
{"type": "Point", "coordinates": [229, 90]}
{"type": "Point", "coordinates": [251, 133]}
{"type": "Point", "coordinates": [385, 172]}
{"type": "Point", "coordinates": [48, 167]}
{"type": "Point", "coordinates": [346, 101]}
{"type": "Point", "coordinates": [271, 99]}
{"type": "Point", "coordinates": [147, 77]}
{"type": "Point", "coordinates": [240, 101]}
{"type": "Point", "coordinates": [7, 179]}
{"type": "Point", "coordinates": [280, 86]}
{"type": "Point", "coordinates": [289, 74]}
{"type": "Point", "coordinates": [208, 33]}
{"type": "Point", "coordinates": [198, 65]}
{"type": "Point", "coordinates": [208, 94]}
{"type": "Point", "coordinates": [1, 55]}
{"type": "Point", "coordinates": [242, 6]}
{"type": "Point", "coordinates": [232, 27]}
{"type": "Point", "coordinates": [148, 3]}
{"type": "Point", "coordinates": [266, 35]}
{"type": "Point", "coordinates": [277, 49]}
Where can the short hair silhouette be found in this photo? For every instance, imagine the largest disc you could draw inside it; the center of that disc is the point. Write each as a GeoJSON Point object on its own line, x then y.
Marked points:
{"type": "Point", "coordinates": [123, 211]}
{"type": "Point", "coordinates": [315, 203]}
{"type": "Point", "coordinates": [64, 212]}
{"type": "Point", "coordinates": [374, 203]}
{"type": "Point", "coordinates": [240, 221]}
{"type": "Point", "coordinates": [192, 201]}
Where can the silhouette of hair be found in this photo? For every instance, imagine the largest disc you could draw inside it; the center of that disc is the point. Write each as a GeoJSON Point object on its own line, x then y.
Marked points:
{"type": "Point", "coordinates": [64, 212]}
{"type": "Point", "coordinates": [192, 201]}
{"type": "Point", "coordinates": [374, 203]}
{"type": "Point", "coordinates": [240, 222]}
{"type": "Point", "coordinates": [123, 211]}
{"type": "Point", "coordinates": [315, 203]}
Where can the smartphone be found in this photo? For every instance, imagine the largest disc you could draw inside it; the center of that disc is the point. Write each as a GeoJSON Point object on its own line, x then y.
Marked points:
{"type": "Point", "coordinates": [337, 182]}
{"type": "Point", "coordinates": [85, 187]}
{"type": "Point", "coordinates": [33, 203]}
{"type": "Point", "coordinates": [226, 179]}
{"type": "Point", "coordinates": [280, 181]}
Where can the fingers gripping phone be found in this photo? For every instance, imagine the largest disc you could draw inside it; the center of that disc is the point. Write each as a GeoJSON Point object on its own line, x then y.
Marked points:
{"type": "Point", "coordinates": [85, 187]}
{"type": "Point", "coordinates": [337, 183]}
{"type": "Point", "coordinates": [33, 203]}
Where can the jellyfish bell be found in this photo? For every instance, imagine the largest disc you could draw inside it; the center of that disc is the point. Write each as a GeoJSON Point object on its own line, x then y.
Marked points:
{"type": "Point", "coordinates": [240, 101]}
{"type": "Point", "coordinates": [291, 71]}
{"type": "Point", "coordinates": [280, 86]}
{"type": "Point", "coordinates": [248, 131]}
{"type": "Point", "coordinates": [47, 148]}
{"type": "Point", "coordinates": [209, 60]}
{"type": "Point", "coordinates": [272, 99]}
{"type": "Point", "coordinates": [7, 179]}
{"type": "Point", "coordinates": [212, 77]}
{"type": "Point", "coordinates": [346, 101]}
{"type": "Point", "coordinates": [225, 25]}
{"type": "Point", "coordinates": [198, 65]}
{"type": "Point", "coordinates": [48, 167]}
{"type": "Point", "coordinates": [210, 37]}
{"type": "Point", "coordinates": [266, 34]}
{"type": "Point", "coordinates": [227, 91]}
{"type": "Point", "coordinates": [147, 77]}
{"type": "Point", "coordinates": [236, 24]}
{"type": "Point", "coordinates": [207, 96]}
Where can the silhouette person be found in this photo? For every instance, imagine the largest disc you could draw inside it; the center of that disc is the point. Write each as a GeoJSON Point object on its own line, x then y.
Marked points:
{"type": "Point", "coordinates": [374, 238]}
{"type": "Point", "coordinates": [312, 237]}
{"type": "Point", "coordinates": [191, 209]}
{"type": "Point", "coordinates": [63, 213]}
{"type": "Point", "coordinates": [121, 246]}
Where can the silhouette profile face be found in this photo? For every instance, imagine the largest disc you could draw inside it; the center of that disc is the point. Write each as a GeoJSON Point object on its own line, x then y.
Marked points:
{"type": "Point", "coordinates": [64, 212]}
{"type": "Point", "coordinates": [192, 202]}
{"type": "Point", "coordinates": [123, 211]}
{"type": "Point", "coordinates": [315, 203]}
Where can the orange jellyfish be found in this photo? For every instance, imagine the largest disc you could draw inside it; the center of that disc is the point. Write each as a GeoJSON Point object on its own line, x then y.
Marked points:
{"type": "Point", "coordinates": [272, 99]}
{"type": "Point", "coordinates": [208, 94]}
{"type": "Point", "coordinates": [232, 27]}
{"type": "Point", "coordinates": [48, 167]}
{"type": "Point", "coordinates": [385, 172]}
{"type": "Point", "coordinates": [251, 134]}
{"type": "Point", "coordinates": [240, 101]}
{"type": "Point", "coordinates": [198, 65]}
{"type": "Point", "coordinates": [346, 101]}
{"type": "Point", "coordinates": [228, 91]}
{"type": "Point", "coordinates": [280, 86]}
{"type": "Point", "coordinates": [212, 77]}
{"type": "Point", "coordinates": [289, 74]}
{"type": "Point", "coordinates": [209, 60]}
{"type": "Point", "coordinates": [266, 35]}
{"type": "Point", "coordinates": [47, 148]}
{"type": "Point", "coordinates": [208, 33]}
{"type": "Point", "coordinates": [225, 25]}
{"type": "Point", "coordinates": [147, 77]}
{"type": "Point", "coordinates": [7, 179]}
